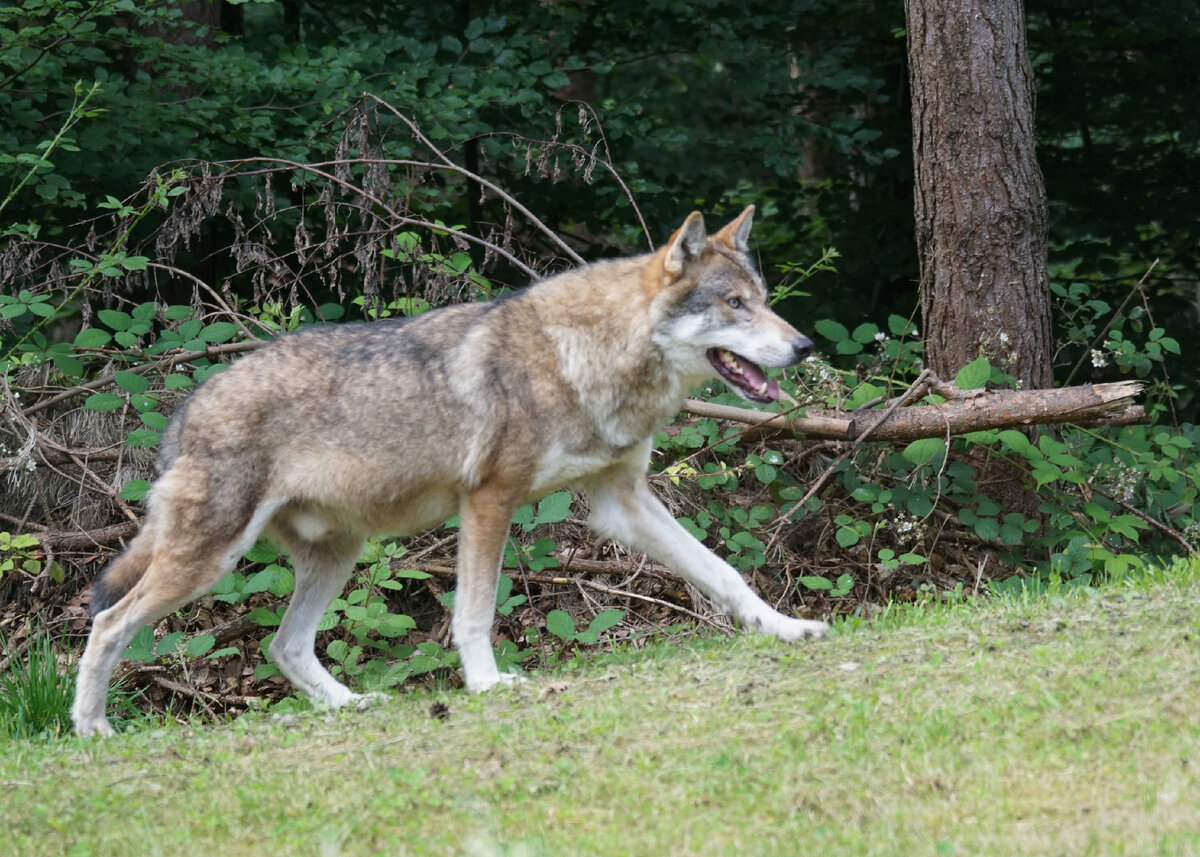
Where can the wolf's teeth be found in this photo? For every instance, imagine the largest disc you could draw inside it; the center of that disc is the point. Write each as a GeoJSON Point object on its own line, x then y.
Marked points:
{"type": "Point", "coordinates": [731, 362]}
{"type": "Point", "coordinates": [762, 388]}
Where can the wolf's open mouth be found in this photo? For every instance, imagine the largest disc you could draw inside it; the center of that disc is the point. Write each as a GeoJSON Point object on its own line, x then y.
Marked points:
{"type": "Point", "coordinates": [743, 375]}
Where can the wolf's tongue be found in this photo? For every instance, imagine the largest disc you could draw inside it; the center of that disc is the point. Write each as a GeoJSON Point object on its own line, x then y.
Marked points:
{"type": "Point", "coordinates": [748, 377]}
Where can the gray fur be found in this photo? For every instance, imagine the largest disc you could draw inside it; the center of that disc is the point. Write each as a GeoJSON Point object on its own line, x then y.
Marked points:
{"type": "Point", "coordinates": [330, 435]}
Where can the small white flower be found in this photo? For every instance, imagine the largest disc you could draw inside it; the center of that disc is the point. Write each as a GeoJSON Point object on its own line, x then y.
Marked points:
{"type": "Point", "coordinates": [1003, 336]}
{"type": "Point", "coordinates": [880, 336]}
{"type": "Point", "coordinates": [1098, 358]}
{"type": "Point", "coordinates": [30, 465]}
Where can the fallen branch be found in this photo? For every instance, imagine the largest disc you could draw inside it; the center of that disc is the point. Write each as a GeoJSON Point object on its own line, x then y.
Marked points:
{"type": "Point", "coordinates": [1090, 404]}
{"type": "Point", "coordinates": [823, 424]}
{"type": "Point", "coordinates": [86, 539]}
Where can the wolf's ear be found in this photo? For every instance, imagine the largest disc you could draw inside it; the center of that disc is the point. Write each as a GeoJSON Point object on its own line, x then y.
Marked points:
{"type": "Point", "coordinates": [687, 243]}
{"type": "Point", "coordinates": [736, 234]}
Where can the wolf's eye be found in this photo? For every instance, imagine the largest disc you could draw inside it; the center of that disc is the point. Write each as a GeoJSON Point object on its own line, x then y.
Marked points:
{"type": "Point", "coordinates": [736, 303]}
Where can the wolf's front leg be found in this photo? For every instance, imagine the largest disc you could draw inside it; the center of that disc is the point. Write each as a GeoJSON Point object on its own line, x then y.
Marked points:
{"type": "Point", "coordinates": [624, 508]}
{"type": "Point", "coordinates": [485, 515]}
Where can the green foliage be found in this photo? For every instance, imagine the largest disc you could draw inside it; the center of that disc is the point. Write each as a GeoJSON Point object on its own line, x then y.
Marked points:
{"type": "Point", "coordinates": [35, 694]}
{"type": "Point", "coordinates": [19, 553]}
{"type": "Point", "coordinates": [561, 625]}
{"type": "Point", "coordinates": [811, 132]}
{"type": "Point", "coordinates": [1113, 500]}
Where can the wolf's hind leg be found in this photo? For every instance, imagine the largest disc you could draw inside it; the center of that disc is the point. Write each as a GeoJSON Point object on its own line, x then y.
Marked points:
{"type": "Point", "coordinates": [624, 509]}
{"type": "Point", "coordinates": [179, 568]}
{"type": "Point", "coordinates": [322, 568]}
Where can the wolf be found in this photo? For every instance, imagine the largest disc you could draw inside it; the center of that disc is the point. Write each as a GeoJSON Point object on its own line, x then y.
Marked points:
{"type": "Point", "coordinates": [330, 435]}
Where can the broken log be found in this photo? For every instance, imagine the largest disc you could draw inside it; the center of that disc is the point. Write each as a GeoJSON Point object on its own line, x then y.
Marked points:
{"type": "Point", "coordinates": [1089, 404]}
{"type": "Point", "coordinates": [833, 425]}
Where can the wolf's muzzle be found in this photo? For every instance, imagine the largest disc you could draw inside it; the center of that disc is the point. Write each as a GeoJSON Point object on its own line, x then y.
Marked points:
{"type": "Point", "coordinates": [801, 348]}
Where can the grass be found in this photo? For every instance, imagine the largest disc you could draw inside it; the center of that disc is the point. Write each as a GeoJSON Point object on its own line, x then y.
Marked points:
{"type": "Point", "coordinates": [1061, 725]}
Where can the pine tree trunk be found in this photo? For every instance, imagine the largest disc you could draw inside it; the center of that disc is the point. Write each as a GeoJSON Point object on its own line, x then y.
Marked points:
{"type": "Point", "coordinates": [980, 198]}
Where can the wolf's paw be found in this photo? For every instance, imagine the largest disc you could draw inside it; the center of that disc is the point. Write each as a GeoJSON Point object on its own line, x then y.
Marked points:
{"type": "Point", "coordinates": [799, 629]}
{"type": "Point", "coordinates": [98, 728]}
{"type": "Point", "coordinates": [499, 680]}
{"type": "Point", "coordinates": [363, 701]}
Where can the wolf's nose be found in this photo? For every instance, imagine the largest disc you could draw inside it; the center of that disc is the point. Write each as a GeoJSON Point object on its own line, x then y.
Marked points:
{"type": "Point", "coordinates": [801, 348]}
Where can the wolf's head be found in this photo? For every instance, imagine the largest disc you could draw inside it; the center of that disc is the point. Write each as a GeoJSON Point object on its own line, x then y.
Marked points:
{"type": "Point", "coordinates": [712, 309]}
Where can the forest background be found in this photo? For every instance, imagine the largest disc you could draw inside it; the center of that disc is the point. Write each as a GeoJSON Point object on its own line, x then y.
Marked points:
{"type": "Point", "coordinates": [184, 178]}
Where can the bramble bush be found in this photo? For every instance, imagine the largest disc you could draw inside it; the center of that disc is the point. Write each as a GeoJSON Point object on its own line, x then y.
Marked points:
{"type": "Point", "coordinates": [888, 523]}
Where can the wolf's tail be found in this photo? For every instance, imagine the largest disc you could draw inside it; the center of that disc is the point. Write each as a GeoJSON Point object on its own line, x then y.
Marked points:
{"type": "Point", "coordinates": [123, 573]}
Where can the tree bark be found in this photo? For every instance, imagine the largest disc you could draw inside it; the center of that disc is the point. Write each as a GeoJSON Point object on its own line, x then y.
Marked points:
{"type": "Point", "coordinates": [980, 200]}
{"type": "Point", "coordinates": [1090, 404]}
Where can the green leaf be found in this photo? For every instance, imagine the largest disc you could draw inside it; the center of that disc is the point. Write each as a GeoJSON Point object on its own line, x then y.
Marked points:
{"type": "Point", "coordinates": [864, 333]}
{"type": "Point", "coordinates": [103, 402]}
{"type": "Point", "coordinates": [92, 337]}
{"type": "Point", "coordinates": [831, 329]}
{"type": "Point", "coordinates": [131, 382]}
{"type": "Point", "coordinates": [154, 420]}
{"type": "Point", "coordinates": [974, 375]}
{"type": "Point", "coordinates": [922, 451]}
{"type": "Point", "coordinates": [606, 619]}
{"type": "Point", "coordinates": [134, 489]}
{"type": "Point", "coordinates": [987, 528]}
{"type": "Point", "coordinates": [168, 643]}
{"type": "Point", "coordinates": [68, 365]}
{"type": "Point", "coordinates": [412, 574]}
{"type": "Point", "coordinates": [263, 551]}
{"type": "Point", "coordinates": [141, 647]}
{"type": "Point", "coordinates": [554, 508]}
{"type": "Point", "coordinates": [263, 618]}
{"type": "Point", "coordinates": [560, 624]}
{"type": "Point", "coordinates": [141, 438]}
{"type": "Point", "coordinates": [819, 583]}
{"type": "Point", "coordinates": [899, 325]}
{"type": "Point", "coordinates": [847, 536]}
{"type": "Point", "coordinates": [115, 319]}
{"type": "Point", "coordinates": [218, 331]}
{"type": "Point", "coordinates": [198, 645]}
{"type": "Point", "coordinates": [1017, 442]}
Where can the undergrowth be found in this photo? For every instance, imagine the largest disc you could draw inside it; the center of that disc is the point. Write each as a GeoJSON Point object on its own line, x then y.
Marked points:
{"type": "Point", "coordinates": [95, 354]}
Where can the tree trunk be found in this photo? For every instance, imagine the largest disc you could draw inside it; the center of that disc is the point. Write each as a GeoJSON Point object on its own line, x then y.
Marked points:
{"type": "Point", "coordinates": [980, 200]}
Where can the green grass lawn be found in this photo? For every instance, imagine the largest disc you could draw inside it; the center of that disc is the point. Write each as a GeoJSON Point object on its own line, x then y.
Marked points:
{"type": "Point", "coordinates": [1054, 726]}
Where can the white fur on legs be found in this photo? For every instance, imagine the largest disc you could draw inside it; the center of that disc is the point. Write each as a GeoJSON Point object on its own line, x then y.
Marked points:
{"type": "Point", "coordinates": [105, 644]}
{"type": "Point", "coordinates": [321, 573]}
{"type": "Point", "coordinates": [624, 509]}
{"type": "Point", "coordinates": [485, 515]}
